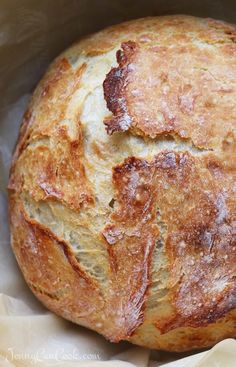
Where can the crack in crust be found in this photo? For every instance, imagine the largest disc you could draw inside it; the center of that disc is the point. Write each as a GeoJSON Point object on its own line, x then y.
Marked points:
{"type": "Point", "coordinates": [200, 231]}
{"type": "Point", "coordinates": [55, 162]}
{"type": "Point", "coordinates": [131, 238]}
{"type": "Point", "coordinates": [51, 270]}
{"type": "Point", "coordinates": [178, 90]}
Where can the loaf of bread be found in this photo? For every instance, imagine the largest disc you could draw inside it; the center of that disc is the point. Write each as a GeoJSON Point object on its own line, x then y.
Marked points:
{"type": "Point", "coordinates": [122, 188]}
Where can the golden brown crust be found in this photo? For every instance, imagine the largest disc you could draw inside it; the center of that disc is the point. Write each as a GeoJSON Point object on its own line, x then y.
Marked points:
{"type": "Point", "coordinates": [133, 234]}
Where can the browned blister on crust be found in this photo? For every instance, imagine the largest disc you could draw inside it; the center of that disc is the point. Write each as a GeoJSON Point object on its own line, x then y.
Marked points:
{"type": "Point", "coordinates": [115, 85]}
{"type": "Point", "coordinates": [134, 234]}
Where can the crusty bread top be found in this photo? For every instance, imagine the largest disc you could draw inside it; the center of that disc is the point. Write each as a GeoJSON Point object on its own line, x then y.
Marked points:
{"type": "Point", "coordinates": [126, 213]}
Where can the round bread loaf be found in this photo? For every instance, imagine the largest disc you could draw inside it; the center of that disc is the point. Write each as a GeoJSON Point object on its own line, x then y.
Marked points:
{"type": "Point", "coordinates": [122, 186]}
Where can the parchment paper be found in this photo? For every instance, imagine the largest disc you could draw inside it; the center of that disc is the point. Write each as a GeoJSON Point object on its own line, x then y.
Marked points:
{"type": "Point", "coordinates": [32, 33]}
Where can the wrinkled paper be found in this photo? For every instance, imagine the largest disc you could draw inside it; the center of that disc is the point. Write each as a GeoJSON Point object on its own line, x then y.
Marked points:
{"type": "Point", "coordinates": [32, 33]}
